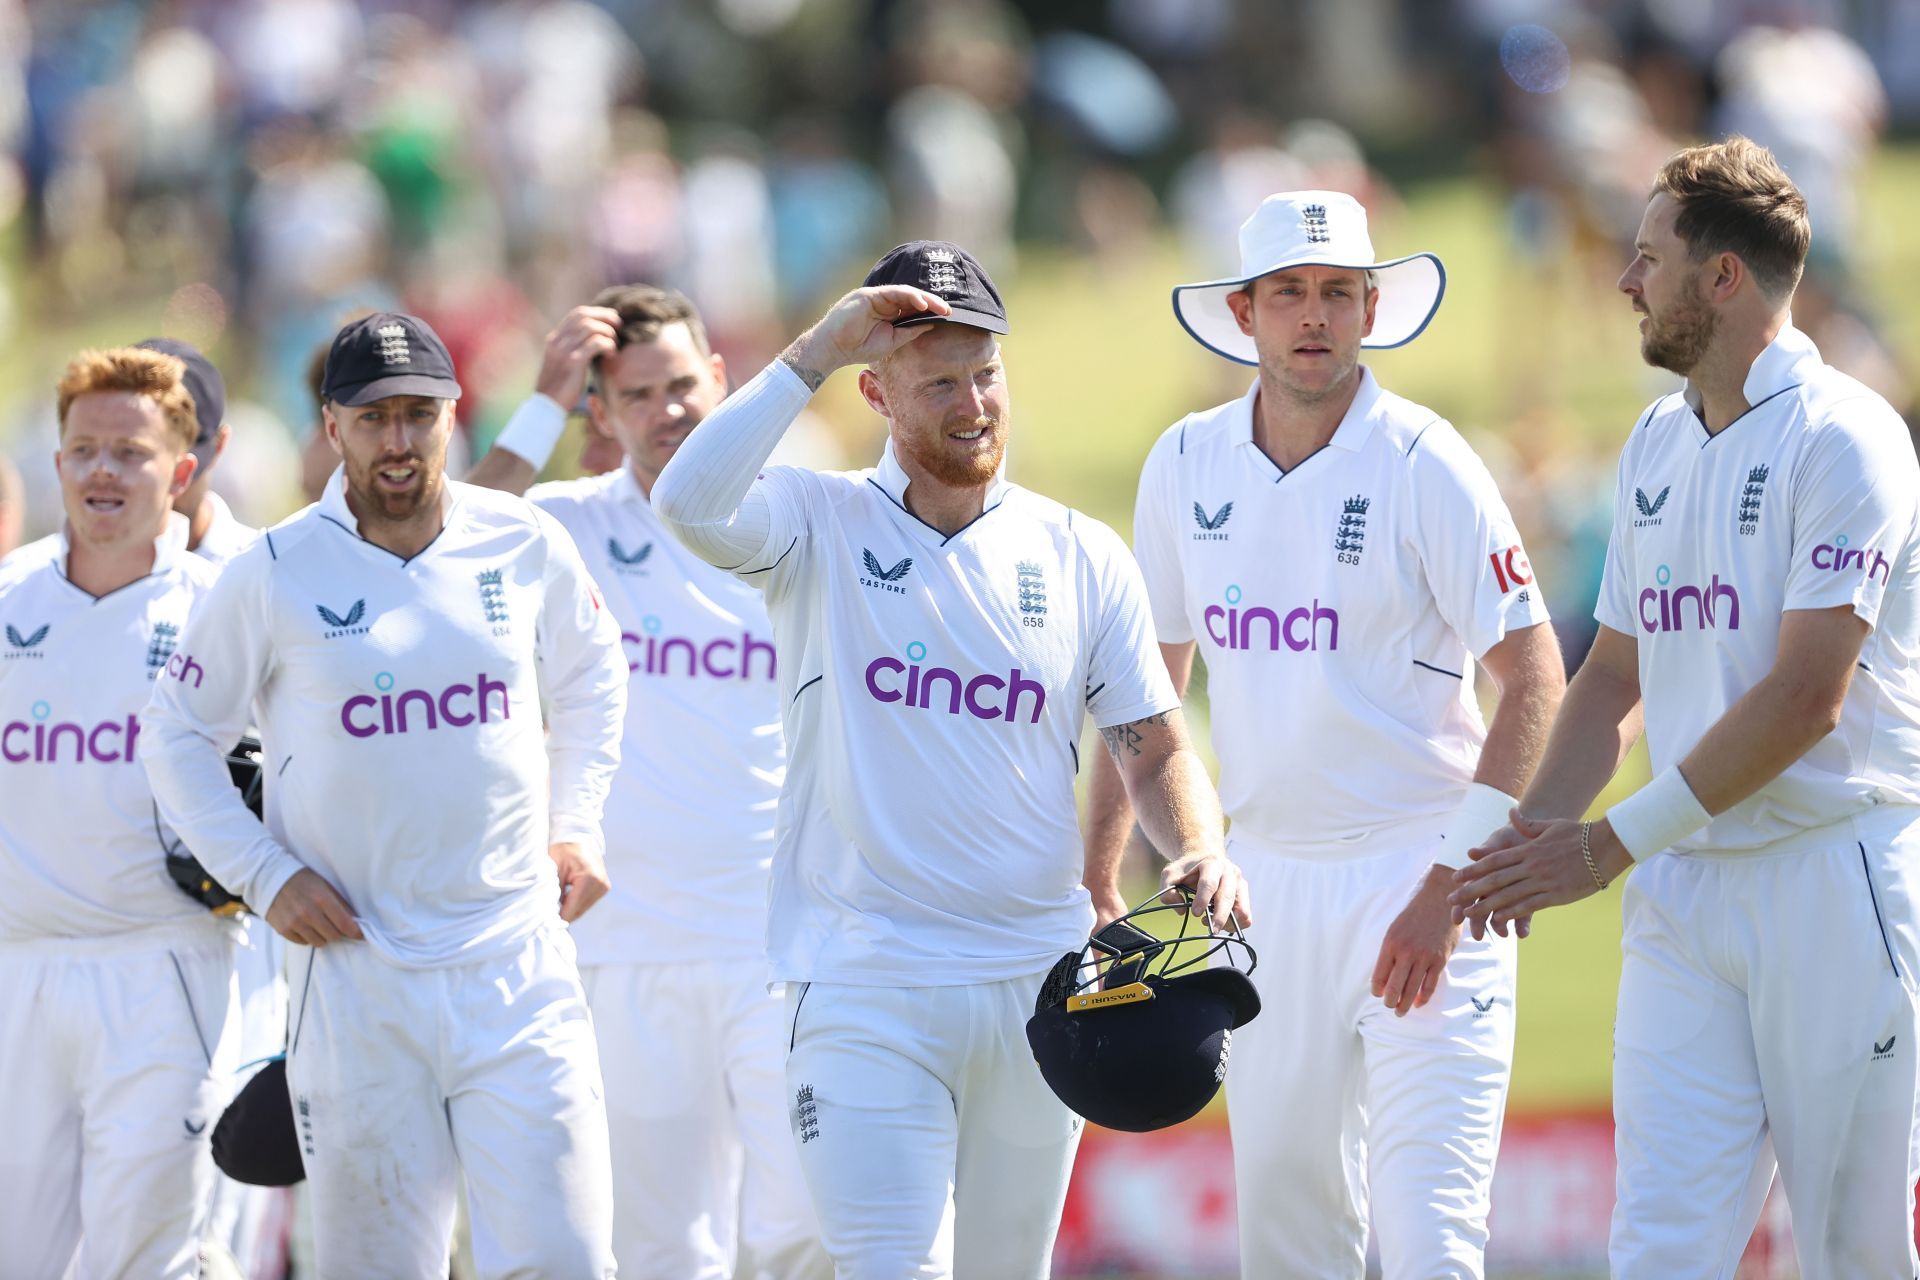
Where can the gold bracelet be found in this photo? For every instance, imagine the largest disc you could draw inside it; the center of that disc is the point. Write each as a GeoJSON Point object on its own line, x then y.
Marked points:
{"type": "Point", "coordinates": [1586, 851]}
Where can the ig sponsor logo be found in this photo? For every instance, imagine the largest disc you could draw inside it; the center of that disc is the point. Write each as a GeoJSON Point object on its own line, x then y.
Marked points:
{"type": "Point", "coordinates": [1303, 628]}
{"type": "Point", "coordinates": [1511, 568]}
{"type": "Point", "coordinates": [1702, 608]}
{"type": "Point", "coordinates": [931, 688]}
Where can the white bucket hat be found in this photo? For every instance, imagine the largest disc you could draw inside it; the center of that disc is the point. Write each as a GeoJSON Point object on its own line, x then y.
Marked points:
{"type": "Point", "coordinates": [1319, 229]}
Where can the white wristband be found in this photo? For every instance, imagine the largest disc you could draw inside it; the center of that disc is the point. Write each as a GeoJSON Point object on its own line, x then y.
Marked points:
{"type": "Point", "coordinates": [534, 429]}
{"type": "Point", "coordinates": [1658, 815]}
{"type": "Point", "coordinates": [1483, 811]}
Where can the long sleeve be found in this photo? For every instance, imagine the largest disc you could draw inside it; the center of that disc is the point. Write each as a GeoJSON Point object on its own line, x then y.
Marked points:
{"type": "Point", "coordinates": [198, 711]}
{"type": "Point", "coordinates": [713, 495]}
{"type": "Point", "coordinates": [583, 677]}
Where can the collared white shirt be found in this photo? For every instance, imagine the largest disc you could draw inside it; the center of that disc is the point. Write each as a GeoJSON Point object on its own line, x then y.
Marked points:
{"type": "Point", "coordinates": [690, 817]}
{"type": "Point", "coordinates": [400, 707]}
{"type": "Point", "coordinates": [1809, 500]}
{"type": "Point", "coordinates": [82, 847]}
{"type": "Point", "coordinates": [934, 688]}
{"type": "Point", "coordinates": [1339, 608]}
{"type": "Point", "coordinates": [225, 537]}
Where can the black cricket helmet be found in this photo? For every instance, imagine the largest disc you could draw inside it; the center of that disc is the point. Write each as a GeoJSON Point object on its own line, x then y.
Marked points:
{"type": "Point", "coordinates": [246, 767]}
{"type": "Point", "coordinates": [1133, 1031]}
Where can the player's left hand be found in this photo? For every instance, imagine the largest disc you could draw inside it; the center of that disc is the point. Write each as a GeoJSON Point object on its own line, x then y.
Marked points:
{"type": "Point", "coordinates": [1417, 946]}
{"type": "Point", "coordinates": [1218, 888]}
{"type": "Point", "coordinates": [1511, 880]}
{"type": "Point", "coordinates": [583, 878]}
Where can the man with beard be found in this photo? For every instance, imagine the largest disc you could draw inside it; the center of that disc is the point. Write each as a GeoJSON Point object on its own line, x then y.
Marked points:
{"type": "Point", "coordinates": [1341, 560]}
{"type": "Point", "coordinates": [426, 834]}
{"type": "Point", "coordinates": [117, 1015]}
{"type": "Point", "coordinates": [1761, 615]}
{"type": "Point", "coordinates": [674, 960]}
{"type": "Point", "coordinates": [943, 635]}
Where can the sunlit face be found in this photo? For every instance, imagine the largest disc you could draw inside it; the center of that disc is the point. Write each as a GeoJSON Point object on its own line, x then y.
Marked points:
{"type": "Point", "coordinates": [945, 396]}
{"type": "Point", "coordinates": [120, 469]}
{"type": "Point", "coordinates": [1668, 289]}
{"type": "Point", "coordinates": [395, 451]}
{"type": "Point", "coordinates": [1307, 324]}
{"type": "Point", "coordinates": [649, 395]}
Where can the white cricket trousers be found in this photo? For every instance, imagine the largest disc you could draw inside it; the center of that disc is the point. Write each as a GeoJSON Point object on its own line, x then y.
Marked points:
{"type": "Point", "coordinates": [115, 1058]}
{"type": "Point", "coordinates": [403, 1078]}
{"type": "Point", "coordinates": [706, 1178]}
{"type": "Point", "coordinates": [1767, 1015]}
{"type": "Point", "coordinates": [1342, 1112]}
{"type": "Point", "coordinates": [245, 1219]}
{"type": "Point", "coordinates": [931, 1144]}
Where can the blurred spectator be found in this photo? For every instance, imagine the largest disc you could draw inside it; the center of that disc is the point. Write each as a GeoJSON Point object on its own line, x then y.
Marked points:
{"type": "Point", "coordinates": [12, 506]}
{"type": "Point", "coordinates": [1811, 96]}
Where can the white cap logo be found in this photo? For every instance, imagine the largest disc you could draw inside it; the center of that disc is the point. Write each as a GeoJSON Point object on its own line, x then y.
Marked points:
{"type": "Point", "coordinates": [393, 344]}
{"type": "Point", "coordinates": [943, 271]}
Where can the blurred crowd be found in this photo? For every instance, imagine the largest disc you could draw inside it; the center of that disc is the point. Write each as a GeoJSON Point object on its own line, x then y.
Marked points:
{"type": "Point", "coordinates": [266, 167]}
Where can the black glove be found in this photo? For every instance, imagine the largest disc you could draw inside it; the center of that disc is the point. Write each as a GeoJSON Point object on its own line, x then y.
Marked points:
{"type": "Point", "coordinates": [245, 765]}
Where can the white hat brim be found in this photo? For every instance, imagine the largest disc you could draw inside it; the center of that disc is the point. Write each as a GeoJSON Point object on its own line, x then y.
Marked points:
{"type": "Point", "coordinates": [1410, 293]}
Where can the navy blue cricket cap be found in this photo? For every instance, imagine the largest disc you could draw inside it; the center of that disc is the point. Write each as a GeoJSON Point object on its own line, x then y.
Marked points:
{"type": "Point", "coordinates": [204, 384]}
{"type": "Point", "coordinates": [387, 354]}
{"type": "Point", "coordinates": [948, 270]}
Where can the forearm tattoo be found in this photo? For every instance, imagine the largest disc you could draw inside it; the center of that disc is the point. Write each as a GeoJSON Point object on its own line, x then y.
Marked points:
{"type": "Point", "coordinates": [791, 358]}
{"type": "Point", "coordinates": [1128, 737]}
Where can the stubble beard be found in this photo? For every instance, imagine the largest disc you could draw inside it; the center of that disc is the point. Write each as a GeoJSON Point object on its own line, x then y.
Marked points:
{"type": "Point", "coordinates": [1679, 341]}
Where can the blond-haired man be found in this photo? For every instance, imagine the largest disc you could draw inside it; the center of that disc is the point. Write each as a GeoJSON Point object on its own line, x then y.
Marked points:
{"type": "Point", "coordinates": [115, 988]}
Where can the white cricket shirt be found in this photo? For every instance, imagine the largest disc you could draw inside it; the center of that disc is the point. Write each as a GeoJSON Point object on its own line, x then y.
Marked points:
{"type": "Point", "coordinates": [82, 847]}
{"type": "Point", "coordinates": [1339, 608]}
{"type": "Point", "coordinates": [934, 689]}
{"type": "Point", "coordinates": [400, 709]}
{"type": "Point", "coordinates": [1809, 500]}
{"type": "Point", "coordinates": [689, 819]}
{"type": "Point", "coordinates": [225, 537]}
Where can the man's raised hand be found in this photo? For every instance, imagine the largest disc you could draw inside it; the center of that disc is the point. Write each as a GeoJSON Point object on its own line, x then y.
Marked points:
{"type": "Point", "coordinates": [582, 336]}
{"type": "Point", "coordinates": [860, 328]}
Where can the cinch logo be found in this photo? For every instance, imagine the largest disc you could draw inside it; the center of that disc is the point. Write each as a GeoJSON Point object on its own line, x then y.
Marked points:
{"type": "Point", "coordinates": [109, 742]}
{"type": "Point", "coordinates": [1670, 610]}
{"type": "Point", "coordinates": [926, 684]}
{"type": "Point", "coordinates": [182, 667]}
{"type": "Point", "coordinates": [1838, 557]}
{"type": "Point", "coordinates": [457, 705]}
{"type": "Point", "coordinates": [347, 624]}
{"type": "Point", "coordinates": [1511, 568]}
{"type": "Point", "coordinates": [1299, 629]}
{"type": "Point", "coordinates": [883, 579]}
{"type": "Point", "coordinates": [1210, 527]}
{"type": "Point", "coordinates": [25, 646]}
{"type": "Point", "coordinates": [724, 658]}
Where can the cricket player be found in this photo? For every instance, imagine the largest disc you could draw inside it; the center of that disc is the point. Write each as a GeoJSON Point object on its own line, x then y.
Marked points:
{"type": "Point", "coordinates": [674, 960]}
{"type": "Point", "coordinates": [943, 633]}
{"type": "Point", "coordinates": [118, 1016]}
{"type": "Point", "coordinates": [1341, 559]}
{"type": "Point", "coordinates": [245, 1221]}
{"type": "Point", "coordinates": [1759, 612]}
{"type": "Point", "coordinates": [426, 833]}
